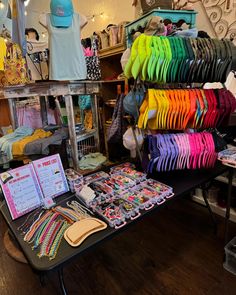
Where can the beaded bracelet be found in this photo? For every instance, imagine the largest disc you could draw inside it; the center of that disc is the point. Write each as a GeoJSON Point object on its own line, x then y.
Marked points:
{"type": "Point", "coordinates": [44, 230]}
{"type": "Point", "coordinates": [36, 225]}
{"type": "Point", "coordinates": [80, 209]}
{"type": "Point", "coordinates": [53, 236]}
{"type": "Point", "coordinates": [38, 233]}
{"type": "Point", "coordinates": [57, 241]}
{"type": "Point", "coordinates": [69, 214]}
{"type": "Point", "coordinates": [46, 241]}
{"type": "Point", "coordinates": [48, 227]}
{"type": "Point", "coordinates": [53, 240]}
{"type": "Point", "coordinates": [29, 220]}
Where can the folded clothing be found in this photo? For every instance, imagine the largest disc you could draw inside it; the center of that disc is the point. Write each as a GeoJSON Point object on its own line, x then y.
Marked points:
{"type": "Point", "coordinates": [92, 161]}
{"type": "Point", "coordinates": [7, 141]}
{"type": "Point", "coordinates": [18, 147]}
{"type": "Point", "coordinates": [41, 146]}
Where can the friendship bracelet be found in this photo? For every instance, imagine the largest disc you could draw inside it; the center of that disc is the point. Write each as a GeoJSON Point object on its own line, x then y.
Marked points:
{"type": "Point", "coordinates": [79, 209]}
{"type": "Point", "coordinates": [57, 241]}
{"type": "Point", "coordinates": [44, 244]}
{"type": "Point", "coordinates": [36, 224]}
{"type": "Point", "coordinates": [28, 221]}
{"type": "Point", "coordinates": [69, 214]}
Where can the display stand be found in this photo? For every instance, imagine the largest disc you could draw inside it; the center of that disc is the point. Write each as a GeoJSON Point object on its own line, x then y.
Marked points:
{"type": "Point", "coordinates": [44, 89]}
{"type": "Point", "coordinates": [189, 17]}
{"type": "Point", "coordinates": [181, 181]}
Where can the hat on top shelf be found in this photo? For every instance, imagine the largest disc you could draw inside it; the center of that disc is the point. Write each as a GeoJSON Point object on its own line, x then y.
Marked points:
{"type": "Point", "coordinates": [155, 27]}
{"type": "Point", "coordinates": [61, 13]}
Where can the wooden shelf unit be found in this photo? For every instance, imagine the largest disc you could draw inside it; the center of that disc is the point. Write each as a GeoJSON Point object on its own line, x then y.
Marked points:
{"type": "Point", "coordinates": [111, 69]}
{"type": "Point", "coordinates": [55, 88]}
{"type": "Point", "coordinates": [111, 51]}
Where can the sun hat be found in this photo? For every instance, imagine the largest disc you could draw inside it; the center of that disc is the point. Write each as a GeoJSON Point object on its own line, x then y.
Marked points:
{"type": "Point", "coordinates": [155, 26]}
{"type": "Point", "coordinates": [140, 58]}
{"type": "Point", "coordinates": [61, 13]}
{"type": "Point", "coordinates": [133, 55]}
{"type": "Point", "coordinates": [129, 141]}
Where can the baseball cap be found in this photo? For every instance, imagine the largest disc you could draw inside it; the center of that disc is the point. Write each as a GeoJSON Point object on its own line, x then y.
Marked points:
{"type": "Point", "coordinates": [61, 13]}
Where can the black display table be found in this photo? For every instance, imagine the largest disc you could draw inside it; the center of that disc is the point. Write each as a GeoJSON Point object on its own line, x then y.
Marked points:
{"type": "Point", "coordinates": [181, 181]}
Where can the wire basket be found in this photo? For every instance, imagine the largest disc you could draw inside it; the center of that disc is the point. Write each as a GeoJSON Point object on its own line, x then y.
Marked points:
{"type": "Point", "coordinates": [87, 146]}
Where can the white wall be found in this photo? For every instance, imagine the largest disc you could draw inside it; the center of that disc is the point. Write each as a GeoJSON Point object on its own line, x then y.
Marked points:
{"type": "Point", "coordinates": [203, 22]}
{"type": "Point", "coordinates": [34, 9]}
{"type": "Point", "coordinates": [3, 16]}
{"type": "Point", "coordinates": [115, 11]}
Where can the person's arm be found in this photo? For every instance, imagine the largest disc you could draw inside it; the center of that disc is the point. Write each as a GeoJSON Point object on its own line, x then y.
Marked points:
{"type": "Point", "coordinates": [43, 20]}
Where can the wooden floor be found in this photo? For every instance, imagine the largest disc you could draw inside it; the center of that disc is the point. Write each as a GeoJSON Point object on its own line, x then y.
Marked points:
{"type": "Point", "coordinates": [173, 251]}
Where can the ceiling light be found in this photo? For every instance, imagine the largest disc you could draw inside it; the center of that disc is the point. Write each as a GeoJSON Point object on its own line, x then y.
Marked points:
{"type": "Point", "coordinates": [1, 5]}
{"type": "Point", "coordinates": [27, 2]}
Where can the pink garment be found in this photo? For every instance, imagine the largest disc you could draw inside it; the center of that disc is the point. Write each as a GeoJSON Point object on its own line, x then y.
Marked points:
{"type": "Point", "coordinates": [88, 51]}
{"type": "Point", "coordinates": [30, 116]}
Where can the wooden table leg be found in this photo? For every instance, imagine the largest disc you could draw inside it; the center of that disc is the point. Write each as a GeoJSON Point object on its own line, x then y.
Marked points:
{"type": "Point", "coordinates": [61, 280]}
{"type": "Point", "coordinates": [229, 196]}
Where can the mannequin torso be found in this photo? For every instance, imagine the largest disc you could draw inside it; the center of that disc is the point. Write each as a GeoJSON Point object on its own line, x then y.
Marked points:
{"type": "Point", "coordinates": [65, 62]}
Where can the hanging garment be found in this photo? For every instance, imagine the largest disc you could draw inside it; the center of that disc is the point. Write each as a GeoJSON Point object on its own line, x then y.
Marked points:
{"type": "Point", "coordinates": [30, 116]}
{"type": "Point", "coordinates": [15, 69]}
{"type": "Point", "coordinates": [117, 128]}
{"type": "Point", "coordinates": [67, 61]}
{"type": "Point", "coordinates": [18, 147]}
{"type": "Point", "coordinates": [3, 51]}
{"type": "Point", "coordinates": [18, 24]}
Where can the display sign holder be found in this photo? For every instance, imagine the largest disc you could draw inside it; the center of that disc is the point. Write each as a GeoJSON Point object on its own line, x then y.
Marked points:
{"type": "Point", "coordinates": [31, 186]}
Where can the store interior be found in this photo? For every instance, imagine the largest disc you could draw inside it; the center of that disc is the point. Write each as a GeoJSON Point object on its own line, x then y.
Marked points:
{"type": "Point", "coordinates": [117, 147]}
